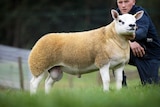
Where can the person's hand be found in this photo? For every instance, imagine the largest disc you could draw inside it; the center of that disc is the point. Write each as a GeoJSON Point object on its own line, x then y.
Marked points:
{"type": "Point", "coordinates": [137, 49]}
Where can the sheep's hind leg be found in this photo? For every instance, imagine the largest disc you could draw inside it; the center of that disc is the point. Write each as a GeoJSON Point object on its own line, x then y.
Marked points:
{"type": "Point", "coordinates": [55, 74]}
{"type": "Point", "coordinates": [35, 82]}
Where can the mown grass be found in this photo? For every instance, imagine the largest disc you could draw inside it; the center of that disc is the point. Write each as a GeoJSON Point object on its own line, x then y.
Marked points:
{"type": "Point", "coordinates": [135, 96]}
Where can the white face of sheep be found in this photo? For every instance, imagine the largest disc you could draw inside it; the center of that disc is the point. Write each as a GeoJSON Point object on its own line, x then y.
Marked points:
{"type": "Point", "coordinates": [126, 24]}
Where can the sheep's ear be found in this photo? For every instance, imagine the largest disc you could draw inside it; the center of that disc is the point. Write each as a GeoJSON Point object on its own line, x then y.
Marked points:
{"type": "Point", "coordinates": [114, 13]}
{"type": "Point", "coordinates": [138, 15]}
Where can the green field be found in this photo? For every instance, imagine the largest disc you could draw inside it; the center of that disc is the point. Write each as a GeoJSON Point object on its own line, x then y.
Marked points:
{"type": "Point", "coordinates": [85, 92]}
{"type": "Point", "coordinates": [135, 96]}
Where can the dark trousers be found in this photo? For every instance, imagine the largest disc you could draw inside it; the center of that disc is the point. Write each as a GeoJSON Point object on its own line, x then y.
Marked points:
{"type": "Point", "coordinates": [147, 69]}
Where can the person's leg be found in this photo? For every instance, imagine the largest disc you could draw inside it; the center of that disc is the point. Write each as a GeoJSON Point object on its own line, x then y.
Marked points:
{"type": "Point", "coordinates": [124, 82]}
{"type": "Point", "coordinates": [154, 72]}
{"type": "Point", "coordinates": [148, 70]}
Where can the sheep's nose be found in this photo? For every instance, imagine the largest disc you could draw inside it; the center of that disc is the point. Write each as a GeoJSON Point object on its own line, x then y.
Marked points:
{"type": "Point", "coordinates": [132, 25]}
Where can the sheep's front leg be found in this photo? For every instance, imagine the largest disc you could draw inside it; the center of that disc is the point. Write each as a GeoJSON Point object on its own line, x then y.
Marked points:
{"type": "Point", "coordinates": [104, 72]}
{"type": "Point", "coordinates": [119, 77]}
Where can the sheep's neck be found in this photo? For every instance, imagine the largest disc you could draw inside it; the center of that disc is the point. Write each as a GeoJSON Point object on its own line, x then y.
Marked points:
{"type": "Point", "coordinates": [120, 40]}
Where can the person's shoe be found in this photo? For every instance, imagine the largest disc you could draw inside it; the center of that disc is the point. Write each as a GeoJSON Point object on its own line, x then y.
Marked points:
{"type": "Point", "coordinates": [124, 83]}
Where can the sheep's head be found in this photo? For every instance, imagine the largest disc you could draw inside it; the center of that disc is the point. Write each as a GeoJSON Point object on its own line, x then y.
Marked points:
{"type": "Point", "coordinates": [126, 24]}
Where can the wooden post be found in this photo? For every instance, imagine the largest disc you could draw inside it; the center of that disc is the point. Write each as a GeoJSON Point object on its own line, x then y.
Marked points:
{"type": "Point", "coordinates": [20, 73]}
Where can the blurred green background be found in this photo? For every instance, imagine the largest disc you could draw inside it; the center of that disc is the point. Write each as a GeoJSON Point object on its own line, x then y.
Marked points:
{"type": "Point", "coordinates": [23, 22]}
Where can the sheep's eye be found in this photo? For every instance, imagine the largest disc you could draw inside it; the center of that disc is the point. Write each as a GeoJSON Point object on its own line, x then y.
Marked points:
{"type": "Point", "coordinates": [120, 21]}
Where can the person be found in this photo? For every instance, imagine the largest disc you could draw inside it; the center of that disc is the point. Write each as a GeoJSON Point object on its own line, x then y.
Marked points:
{"type": "Point", "coordinates": [145, 48]}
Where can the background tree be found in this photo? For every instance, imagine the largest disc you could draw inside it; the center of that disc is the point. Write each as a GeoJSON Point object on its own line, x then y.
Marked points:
{"type": "Point", "coordinates": [23, 22]}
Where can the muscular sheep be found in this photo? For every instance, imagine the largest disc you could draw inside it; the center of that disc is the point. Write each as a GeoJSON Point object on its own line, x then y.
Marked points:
{"type": "Point", "coordinates": [83, 52]}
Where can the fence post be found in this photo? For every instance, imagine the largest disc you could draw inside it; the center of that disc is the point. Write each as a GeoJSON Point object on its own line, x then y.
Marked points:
{"type": "Point", "coordinates": [20, 73]}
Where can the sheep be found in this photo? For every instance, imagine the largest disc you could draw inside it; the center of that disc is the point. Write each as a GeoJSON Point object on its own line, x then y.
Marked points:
{"type": "Point", "coordinates": [78, 53]}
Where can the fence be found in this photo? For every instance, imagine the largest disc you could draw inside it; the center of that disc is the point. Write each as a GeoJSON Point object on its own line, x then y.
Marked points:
{"type": "Point", "coordinates": [14, 70]}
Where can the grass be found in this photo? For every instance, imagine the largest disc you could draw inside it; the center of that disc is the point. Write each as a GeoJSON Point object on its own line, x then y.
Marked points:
{"type": "Point", "coordinates": [134, 96]}
{"type": "Point", "coordinates": [85, 92]}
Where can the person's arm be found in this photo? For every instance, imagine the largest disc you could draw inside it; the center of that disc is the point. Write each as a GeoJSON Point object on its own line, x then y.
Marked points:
{"type": "Point", "coordinates": [142, 28]}
{"type": "Point", "coordinates": [141, 33]}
